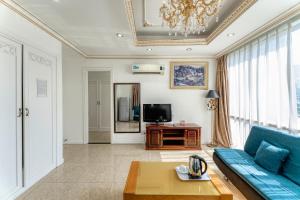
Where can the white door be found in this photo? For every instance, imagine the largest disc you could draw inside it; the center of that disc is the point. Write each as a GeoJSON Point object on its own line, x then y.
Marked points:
{"type": "Point", "coordinates": [94, 104]}
{"type": "Point", "coordinates": [10, 118]}
{"type": "Point", "coordinates": [39, 114]}
{"type": "Point", "coordinates": [105, 107]}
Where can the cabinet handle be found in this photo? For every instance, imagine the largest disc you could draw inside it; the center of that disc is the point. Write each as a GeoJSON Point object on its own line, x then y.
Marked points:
{"type": "Point", "coordinates": [26, 112]}
{"type": "Point", "coordinates": [20, 112]}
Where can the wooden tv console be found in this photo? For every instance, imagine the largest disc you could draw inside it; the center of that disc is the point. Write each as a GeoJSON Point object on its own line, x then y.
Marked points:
{"type": "Point", "coordinates": [173, 137]}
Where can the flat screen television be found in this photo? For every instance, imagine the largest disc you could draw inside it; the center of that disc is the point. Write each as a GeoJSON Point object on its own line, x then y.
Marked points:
{"type": "Point", "coordinates": [157, 113]}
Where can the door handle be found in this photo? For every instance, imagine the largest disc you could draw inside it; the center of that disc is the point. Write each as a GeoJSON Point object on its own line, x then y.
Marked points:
{"type": "Point", "coordinates": [26, 112]}
{"type": "Point", "coordinates": [98, 102]}
{"type": "Point", "coordinates": [20, 112]}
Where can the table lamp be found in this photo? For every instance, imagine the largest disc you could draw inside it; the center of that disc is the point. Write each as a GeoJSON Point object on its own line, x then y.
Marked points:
{"type": "Point", "coordinates": [212, 95]}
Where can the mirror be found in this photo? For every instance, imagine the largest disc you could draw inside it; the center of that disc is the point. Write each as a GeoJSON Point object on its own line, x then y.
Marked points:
{"type": "Point", "coordinates": [127, 108]}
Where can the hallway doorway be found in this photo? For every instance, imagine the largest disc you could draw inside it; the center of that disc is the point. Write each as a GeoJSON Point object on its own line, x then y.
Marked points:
{"type": "Point", "coordinates": [99, 104]}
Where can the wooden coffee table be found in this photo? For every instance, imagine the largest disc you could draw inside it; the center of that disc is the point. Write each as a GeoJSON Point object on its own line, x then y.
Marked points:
{"type": "Point", "coordinates": [159, 181]}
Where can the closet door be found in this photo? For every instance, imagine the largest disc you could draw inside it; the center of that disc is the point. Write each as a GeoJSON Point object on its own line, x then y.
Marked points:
{"type": "Point", "coordinates": [94, 103]}
{"type": "Point", "coordinates": [39, 114]}
{"type": "Point", "coordinates": [10, 118]}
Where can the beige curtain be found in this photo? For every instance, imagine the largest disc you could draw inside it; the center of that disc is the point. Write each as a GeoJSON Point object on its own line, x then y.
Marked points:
{"type": "Point", "coordinates": [221, 134]}
{"type": "Point", "coordinates": [135, 95]}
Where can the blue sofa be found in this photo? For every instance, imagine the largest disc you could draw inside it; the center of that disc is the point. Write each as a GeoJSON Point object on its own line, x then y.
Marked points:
{"type": "Point", "coordinates": [254, 181]}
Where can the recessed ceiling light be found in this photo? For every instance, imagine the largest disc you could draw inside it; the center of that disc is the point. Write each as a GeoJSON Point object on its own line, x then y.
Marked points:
{"type": "Point", "coordinates": [119, 35]}
{"type": "Point", "coordinates": [189, 49]}
{"type": "Point", "coordinates": [56, 1]}
{"type": "Point", "coordinates": [230, 34]}
{"type": "Point", "coordinates": [149, 49]}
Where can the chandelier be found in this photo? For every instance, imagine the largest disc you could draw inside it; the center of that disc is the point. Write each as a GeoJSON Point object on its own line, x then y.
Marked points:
{"type": "Point", "coordinates": [189, 16]}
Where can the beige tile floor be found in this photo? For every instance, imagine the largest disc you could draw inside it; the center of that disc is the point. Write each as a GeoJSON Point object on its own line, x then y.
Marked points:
{"type": "Point", "coordinates": [99, 172]}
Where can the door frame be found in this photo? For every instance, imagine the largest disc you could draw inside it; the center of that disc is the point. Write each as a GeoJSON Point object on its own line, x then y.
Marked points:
{"type": "Point", "coordinates": [85, 72]}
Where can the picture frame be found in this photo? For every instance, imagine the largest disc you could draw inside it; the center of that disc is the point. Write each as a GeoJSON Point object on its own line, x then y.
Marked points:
{"type": "Point", "coordinates": [189, 75]}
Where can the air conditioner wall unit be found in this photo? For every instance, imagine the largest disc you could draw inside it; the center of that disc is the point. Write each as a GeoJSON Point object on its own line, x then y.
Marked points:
{"type": "Point", "coordinates": [148, 69]}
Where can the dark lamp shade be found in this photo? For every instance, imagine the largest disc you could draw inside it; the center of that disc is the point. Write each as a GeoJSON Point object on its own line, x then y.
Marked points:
{"type": "Point", "coordinates": [212, 94]}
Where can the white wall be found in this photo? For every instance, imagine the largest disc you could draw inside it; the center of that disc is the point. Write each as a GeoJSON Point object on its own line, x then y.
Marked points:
{"type": "Point", "coordinates": [189, 105]}
{"type": "Point", "coordinates": [73, 96]}
{"type": "Point", "coordinates": [17, 28]}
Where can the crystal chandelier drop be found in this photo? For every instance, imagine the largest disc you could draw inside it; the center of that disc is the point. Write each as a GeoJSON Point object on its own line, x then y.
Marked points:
{"type": "Point", "coordinates": [189, 16]}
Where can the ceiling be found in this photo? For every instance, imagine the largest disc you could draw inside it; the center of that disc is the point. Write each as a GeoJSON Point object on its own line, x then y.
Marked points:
{"type": "Point", "coordinates": [91, 25]}
{"type": "Point", "coordinates": [148, 21]}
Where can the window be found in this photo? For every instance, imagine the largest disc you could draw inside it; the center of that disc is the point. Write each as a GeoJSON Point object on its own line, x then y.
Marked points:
{"type": "Point", "coordinates": [295, 49]}
{"type": "Point", "coordinates": [264, 82]}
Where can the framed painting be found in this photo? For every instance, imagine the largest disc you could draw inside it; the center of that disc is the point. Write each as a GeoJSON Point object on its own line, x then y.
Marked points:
{"type": "Point", "coordinates": [189, 75]}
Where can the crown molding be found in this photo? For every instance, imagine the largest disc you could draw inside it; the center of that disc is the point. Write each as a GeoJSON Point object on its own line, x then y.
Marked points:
{"type": "Point", "coordinates": [280, 19]}
{"type": "Point", "coordinates": [287, 15]}
{"type": "Point", "coordinates": [245, 5]}
{"type": "Point", "coordinates": [39, 23]}
{"type": "Point", "coordinates": [130, 17]}
{"type": "Point", "coordinates": [148, 57]}
{"type": "Point", "coordinates": [230, 19]}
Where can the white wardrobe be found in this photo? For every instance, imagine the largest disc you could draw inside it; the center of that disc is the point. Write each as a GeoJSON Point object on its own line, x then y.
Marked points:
{"type": "Point", "coordinates": [27, 116]}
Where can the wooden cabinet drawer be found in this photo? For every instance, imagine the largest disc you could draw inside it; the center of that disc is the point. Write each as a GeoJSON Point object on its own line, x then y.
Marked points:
{"type": "Point", "coordinates": [155, 138]}
{"type": "Point", "coordinates": [192, 138]}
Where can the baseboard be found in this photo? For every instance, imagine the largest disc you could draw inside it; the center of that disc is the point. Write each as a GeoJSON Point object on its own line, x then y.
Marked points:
{"type": "Point", "coordinates": [27, 189]}
{"type": "Point", "coordinates": [18, 194]}
{"type": "Point", "coordinates": [60, 162]}
{"type": "Point", "coordinates": [119, 138]}
{"type": "Point", "coordinates": [74, 142]}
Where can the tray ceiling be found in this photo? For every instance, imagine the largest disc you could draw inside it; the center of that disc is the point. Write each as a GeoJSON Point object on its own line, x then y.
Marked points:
{"type": "Point", "coordinates": [147, 29]}
{"type": "Point", "coordinates": [91, 26]}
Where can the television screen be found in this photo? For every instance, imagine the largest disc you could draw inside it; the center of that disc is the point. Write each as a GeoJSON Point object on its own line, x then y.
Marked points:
{"type": "Point", "coordinates": [157, 113]}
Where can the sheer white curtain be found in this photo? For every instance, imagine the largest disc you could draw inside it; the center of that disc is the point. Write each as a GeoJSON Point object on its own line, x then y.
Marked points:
{"type": "Point", "coordinates": [263, 82]}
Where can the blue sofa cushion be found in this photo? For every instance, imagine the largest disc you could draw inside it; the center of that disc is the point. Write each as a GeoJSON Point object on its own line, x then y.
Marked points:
{"type": "Point", "coordinates": [268, 185]}
{"type": "Point", "coordinates": [291, 168]}
{"type": "Point", "coordinates": [270, 157]}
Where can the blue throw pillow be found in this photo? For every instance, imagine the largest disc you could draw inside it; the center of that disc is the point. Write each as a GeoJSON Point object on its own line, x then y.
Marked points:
{"type": "Point", "coordinates": [270, 157]}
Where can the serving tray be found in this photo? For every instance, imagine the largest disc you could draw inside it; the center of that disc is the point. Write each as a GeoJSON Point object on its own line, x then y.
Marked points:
{"type": "Point", "coordinates": [185, 177]}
